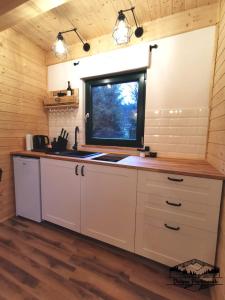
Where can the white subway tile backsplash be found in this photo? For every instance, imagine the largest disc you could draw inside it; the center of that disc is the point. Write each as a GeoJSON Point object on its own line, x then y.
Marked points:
{"type": "Point", "coordinates": [175, 132]}
{"type": "Point", "coordinates": [180, 131]}
{"type": "Point", "coordinates": [177, 112]}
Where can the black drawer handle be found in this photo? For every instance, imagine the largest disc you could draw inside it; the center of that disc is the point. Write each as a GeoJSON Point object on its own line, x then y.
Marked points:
{"type": "Point", "coordinates": [175, 179]}
{"type": "Point", "coordinates": [173, 204]}
{"type": "Point", "coordinates": [82, 170]}
{"type": "Point", "coordinates": [76, 170]}
{"type": "Point", "coordinates": [171, 227]}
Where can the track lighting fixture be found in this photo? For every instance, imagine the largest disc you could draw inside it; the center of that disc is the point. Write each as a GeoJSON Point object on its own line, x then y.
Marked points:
{"type": "Point", "coordinates": [61, 49]}
{"type": "Point", "coordinates": [122, 31]}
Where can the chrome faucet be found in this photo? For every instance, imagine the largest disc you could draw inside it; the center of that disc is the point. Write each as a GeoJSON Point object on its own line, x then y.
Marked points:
{"type": "Point", "coordinates": [76, 142]}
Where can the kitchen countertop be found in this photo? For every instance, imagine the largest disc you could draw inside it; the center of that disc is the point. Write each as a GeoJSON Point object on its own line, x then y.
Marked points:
{"type": "Point", "coordinates": [187, 167]}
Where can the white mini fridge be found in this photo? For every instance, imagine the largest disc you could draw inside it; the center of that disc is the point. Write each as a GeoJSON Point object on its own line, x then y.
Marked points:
{"type": "Point", "coordinates": [27, 187]}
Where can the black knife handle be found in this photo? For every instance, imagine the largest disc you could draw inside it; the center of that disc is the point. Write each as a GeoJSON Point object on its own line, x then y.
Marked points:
{"type": "Point", "coordinates": [64, 134]}
{"type": "Point", "coordinates": [76, 170]}
{"type": "Point", "coordinates": [82, 171]}
{"type": "Point", "coordinates": [175, 179]}
{"type": "Point", "coordinates": [171, 227]}
{"type": "Point", "coordinates": [173, 204]}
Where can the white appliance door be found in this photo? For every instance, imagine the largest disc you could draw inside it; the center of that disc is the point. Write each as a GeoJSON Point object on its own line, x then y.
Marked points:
{"type": "Point", "coordinates": [27, 187]}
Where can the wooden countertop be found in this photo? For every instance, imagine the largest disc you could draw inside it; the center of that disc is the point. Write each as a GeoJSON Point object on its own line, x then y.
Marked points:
{"type": "Point", "coordinates": [187, 167]}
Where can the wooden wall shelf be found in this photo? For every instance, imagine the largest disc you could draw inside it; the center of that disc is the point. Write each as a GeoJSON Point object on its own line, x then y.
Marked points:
{"type": "Point", "coordinates": [55, 102]}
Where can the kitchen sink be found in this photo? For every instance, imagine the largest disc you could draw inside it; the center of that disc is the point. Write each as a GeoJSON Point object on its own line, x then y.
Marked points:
{"type": "Point", "coordinates": [111, 157]}
{"type": "Point", "coordinates": [73, 153]}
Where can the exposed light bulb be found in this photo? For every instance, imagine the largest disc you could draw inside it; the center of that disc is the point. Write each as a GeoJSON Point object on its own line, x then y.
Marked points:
{"type": "Point", "coordinates": [60, 48]}
{"type": "Point", "coordinates": [122, 31]}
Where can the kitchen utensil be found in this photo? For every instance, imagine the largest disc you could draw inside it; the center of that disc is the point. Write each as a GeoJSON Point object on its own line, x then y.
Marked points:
{"type": "Point", "coordinates": [61, 143]}
{"type": "Point", "coordinates": [64, 134]}
{"type": "Point", "coordinates": [60, 136]}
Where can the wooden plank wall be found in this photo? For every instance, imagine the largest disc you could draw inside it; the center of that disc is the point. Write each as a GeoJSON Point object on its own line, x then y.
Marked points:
{"type": "Point", "coordinates": [23, 84]}
{"type": "Point", "coordinates": [216, 139]}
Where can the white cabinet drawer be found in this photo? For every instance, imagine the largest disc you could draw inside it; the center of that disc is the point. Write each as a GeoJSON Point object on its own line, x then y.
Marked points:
{"type": "Point", "coordinates": [177, 217]}
{"type": "Point", "coordinates": [155, 241]}
{"type": "Point", "coordinates": [200, 190]}
{"type": "Point", "coordinates": [190, 212]}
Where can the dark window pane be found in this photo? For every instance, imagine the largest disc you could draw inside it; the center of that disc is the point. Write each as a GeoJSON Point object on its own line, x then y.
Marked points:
{"type": "Point", "coordinates": [115, 107]}
{"type": "Point", "coordinates": [115, 111]}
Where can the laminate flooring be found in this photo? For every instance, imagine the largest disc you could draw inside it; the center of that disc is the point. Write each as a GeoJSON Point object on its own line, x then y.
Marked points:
{"type": "Point", "coordinates": [46, 262]}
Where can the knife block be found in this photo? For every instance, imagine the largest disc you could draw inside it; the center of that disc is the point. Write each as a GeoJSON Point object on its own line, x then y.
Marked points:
{"type": "Point", "coordinates": [59, 145]}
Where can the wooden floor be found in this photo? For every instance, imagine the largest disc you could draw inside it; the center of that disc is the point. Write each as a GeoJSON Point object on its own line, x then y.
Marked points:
{"type": "Point", "coordinates": [49, 263]}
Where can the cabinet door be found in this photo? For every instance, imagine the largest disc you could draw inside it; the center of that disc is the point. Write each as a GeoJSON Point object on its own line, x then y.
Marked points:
{"type": "Point", "coordinates": [108, 202]}
{"type": "Point", "coordinates": [60, 193]}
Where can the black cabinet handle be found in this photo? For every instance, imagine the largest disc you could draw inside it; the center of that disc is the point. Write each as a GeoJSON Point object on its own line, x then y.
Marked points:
{"type": "Point", "coordinates": [76, 170]}
{"type": "Point", "coordinates": [82, 171]}
{"type": "Point", "coordinates": [173, 204]}
{"type": "Point", "coordinates": [175, 179]}
{"type": "Point", "coordinates": [171, 227]}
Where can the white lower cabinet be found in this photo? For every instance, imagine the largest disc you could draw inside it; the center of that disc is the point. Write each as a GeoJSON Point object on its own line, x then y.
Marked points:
{"type": "Point", "coordinates": [60, 188]}
{"type": "Point", "coordinates": [177, 217]}
{"type": "Point", "coordinates": [167, 218]}
{"type": "Point", "coordinates": [98, 201]}
{"type": "Point", "coordinates": [108, 204]}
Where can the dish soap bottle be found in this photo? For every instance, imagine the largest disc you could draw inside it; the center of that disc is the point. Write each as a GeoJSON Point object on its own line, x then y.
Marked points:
{"type": "Point", "coordinates": [69, 90]}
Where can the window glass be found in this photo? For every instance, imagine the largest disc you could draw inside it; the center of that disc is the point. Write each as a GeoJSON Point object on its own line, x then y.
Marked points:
{"type": "Point", "coordinates": [115, 111]}
{"type": "Point", "coordinates": [115, 107]}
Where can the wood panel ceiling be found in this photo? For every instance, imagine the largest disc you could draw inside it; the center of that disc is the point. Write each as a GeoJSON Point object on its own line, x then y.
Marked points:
{"type": "Point", "coordinates": [15, 11]}
{"type": "Point", "coordinates": [97, 17]}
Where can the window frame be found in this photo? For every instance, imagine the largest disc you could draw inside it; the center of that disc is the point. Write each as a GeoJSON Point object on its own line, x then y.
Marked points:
{"type": "Point", "coordinates": [139, 76]}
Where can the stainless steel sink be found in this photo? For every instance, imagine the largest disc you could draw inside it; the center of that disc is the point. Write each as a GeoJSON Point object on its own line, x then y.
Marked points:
{"type": "Point", "coordinates": [73, 153]}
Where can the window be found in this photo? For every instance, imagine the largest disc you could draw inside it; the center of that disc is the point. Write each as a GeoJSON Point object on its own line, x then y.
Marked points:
{"type": "Point", "coordinates": [115, 108]}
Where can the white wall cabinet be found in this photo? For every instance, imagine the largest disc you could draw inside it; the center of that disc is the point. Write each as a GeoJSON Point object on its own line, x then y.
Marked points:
{"type": "Point", "coordinates": [108, 204]}
{"type": "Point", "coordinates": [177, 217]}
{"type": "Point", "coordinates": [61, 193]}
